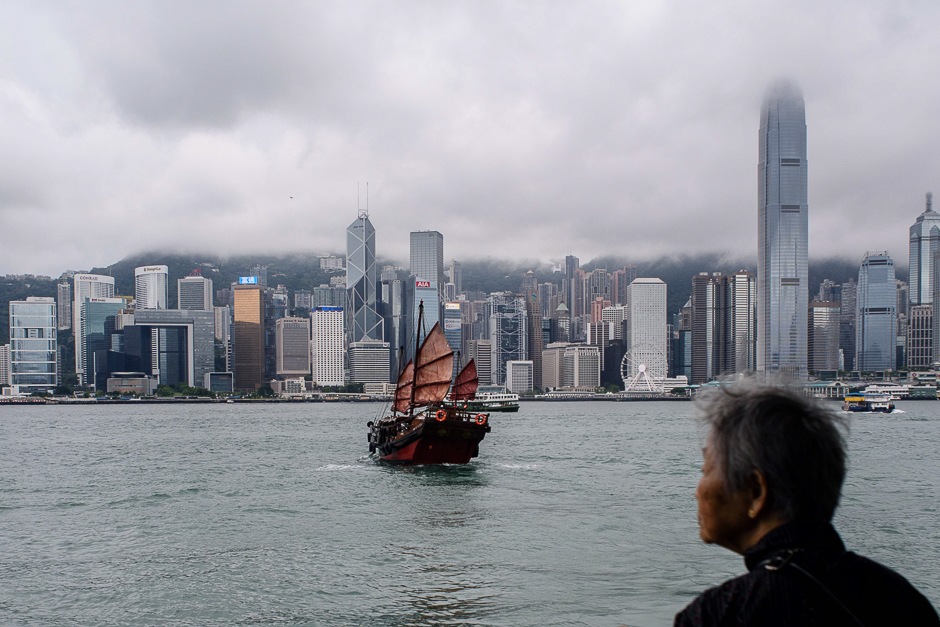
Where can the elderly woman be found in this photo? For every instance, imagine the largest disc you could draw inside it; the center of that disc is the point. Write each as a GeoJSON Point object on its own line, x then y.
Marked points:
{"type": "Point", "coordinates": [773, 472]}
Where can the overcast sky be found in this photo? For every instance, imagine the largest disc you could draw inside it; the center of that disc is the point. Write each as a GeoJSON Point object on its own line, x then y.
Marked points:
{"type": "Point", "coordinates": [517, 129]}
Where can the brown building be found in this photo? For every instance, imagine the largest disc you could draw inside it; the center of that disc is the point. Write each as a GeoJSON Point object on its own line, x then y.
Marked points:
{"type": "Point", "coordinates": [248, 336]}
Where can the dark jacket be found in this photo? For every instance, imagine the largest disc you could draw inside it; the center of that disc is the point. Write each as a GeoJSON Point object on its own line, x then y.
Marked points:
{"type": "Point", "coordinates": [874, 594]}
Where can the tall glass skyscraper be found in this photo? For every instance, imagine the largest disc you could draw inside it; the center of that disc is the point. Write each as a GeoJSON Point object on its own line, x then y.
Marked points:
{"type": "Point", "coordinates": [363, 319]}
{"type": "Point", "coordinates": [33, 344]}
{"type": "Point", "coordinates": [925, 241]}
{"type": "Point", "coordinates": [427, 256]}
{"type": "Point", "coordinates": [876, 314]}
{"type": "Point", "coordinates": [86, 286]}
{"type": "Point", "coordinates": [782, 234]}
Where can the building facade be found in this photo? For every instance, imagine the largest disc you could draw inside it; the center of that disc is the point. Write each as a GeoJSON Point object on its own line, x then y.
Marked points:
{"type": "Point", "coordinates": [64, 305]}
{"type": "Point", "coordinates": [86, 286]}
{"type": "Point", "coordinates": [920, 337]}
{"type": "Point", "coordinates": [925, 242]}
{"type": "Point", "coordinates": [519, 375]}
{"type": "Point", "coordinates": [508, 332]}
{"type": "Point", "coordinates": [150, 287]}
{"type": "Point", "coordinates": [194, 293]}
{"type": "Point", "coordinates": [427, 256]}
{"type": "Point", "coordinates": [823, 333]}
{"type": "Point", "coordinates": [369, 361]}
{"type": "Point", "coordinates": [32, 352]}
{"type": "Point", "coordinates": [327, 346]}
{"type": "Point", "coordinates": [581, 367]}
{"type": "Point", "coordinates": [248, 336]}
{"type": "Point", "coordinates": [177, 345]}
{"type": "Point", "coordinates": [848, 302]}
{"type": "Point", "coordinates": [481, 352]}
{"type": "Point", "coordinates": [782, 240]}
{"type": "Point", "coordinates": [363, 318]}
{"type": "Point", "coordinates": [4, 365]}
{"type": "Point", "coordinates": [293, 347]}
{"type": "Point", "coordinates": [647, 340]}
{"type": "Point", "coordinates": [876, 314]}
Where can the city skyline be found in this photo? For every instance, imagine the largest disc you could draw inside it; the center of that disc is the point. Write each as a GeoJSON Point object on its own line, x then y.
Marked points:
{"type": "Point", "coordinates": [216, 151]}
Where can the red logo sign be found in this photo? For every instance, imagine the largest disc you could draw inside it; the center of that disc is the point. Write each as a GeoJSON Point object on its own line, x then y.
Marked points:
{"type": "Point", "coordinates": [422, 284]}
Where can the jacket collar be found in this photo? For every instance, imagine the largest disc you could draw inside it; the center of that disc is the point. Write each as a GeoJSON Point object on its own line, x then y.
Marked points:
{"type": "Point", "coordinates": [793, 535]}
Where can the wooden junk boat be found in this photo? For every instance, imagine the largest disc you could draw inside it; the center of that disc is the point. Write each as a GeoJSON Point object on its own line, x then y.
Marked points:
{"type": "Point", "coordinates": [426, 426]}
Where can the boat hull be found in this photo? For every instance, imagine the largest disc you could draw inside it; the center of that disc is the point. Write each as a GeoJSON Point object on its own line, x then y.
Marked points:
{"type": "Point", "coordinates": [454, 440]}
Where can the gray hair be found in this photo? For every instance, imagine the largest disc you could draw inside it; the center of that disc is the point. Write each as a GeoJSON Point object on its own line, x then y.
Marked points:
{"type": "Point", "coordinates": [797, 445]}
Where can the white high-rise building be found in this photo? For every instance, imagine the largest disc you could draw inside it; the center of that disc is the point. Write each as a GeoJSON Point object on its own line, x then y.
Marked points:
{"type": "Point", "coordinates": [369, 362]}
{"type": "Point", "coordinates": [519, 375]}
{"type": "Point", "coordinates": [647, 338]}
{"type": "Point", "coordinates": [150, 287]}
{"type": "Point", "coordinates": [150, 292]}
{"type": "Point", "coordinates": [615, 315]}
{"type": "Point", "coordinates": [194, 292]}
{"type": "Point", "coordinates": [292, 347]}
{"type": "Point", "coordinates": [327, 346]}
{"type": "Point", "coordinates": [86, 286]}
{"type": "Point", "coordinates": [581, 367]}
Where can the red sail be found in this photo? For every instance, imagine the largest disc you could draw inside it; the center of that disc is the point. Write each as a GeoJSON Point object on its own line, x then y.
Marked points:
{"type": "Point", "coordinates": [465, 386]}
{"type": "Point", "coordinates": [403, 391]}
{"type": "Point", "coordinates": [434, 365]}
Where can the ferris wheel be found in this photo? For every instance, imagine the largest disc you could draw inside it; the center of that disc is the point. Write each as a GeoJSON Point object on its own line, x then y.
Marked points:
{"type": "Point", "coordinates": [643, 369]}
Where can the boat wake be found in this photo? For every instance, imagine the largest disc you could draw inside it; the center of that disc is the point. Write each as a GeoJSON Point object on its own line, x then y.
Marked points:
{"type": "Point", "coordinates": [898, 411]}
{"type": "Point", "coordinates": [520, 466]}
{"type": "Point", "coordinates": [333, 467]}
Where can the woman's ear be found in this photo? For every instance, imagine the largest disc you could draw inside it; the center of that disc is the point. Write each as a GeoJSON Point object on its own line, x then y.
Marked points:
{"type": "Point", "coordinates": [759, 494]}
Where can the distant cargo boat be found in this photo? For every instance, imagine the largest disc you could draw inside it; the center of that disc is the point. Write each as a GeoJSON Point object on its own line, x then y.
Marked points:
{"type": "Point", "coordinates": [869, 403]}
{"type": "Point", "coordinates": [423, 427]}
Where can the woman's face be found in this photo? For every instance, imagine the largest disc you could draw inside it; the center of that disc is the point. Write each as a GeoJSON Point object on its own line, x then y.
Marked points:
{"type": "Point", "coordinates": [722, 516]}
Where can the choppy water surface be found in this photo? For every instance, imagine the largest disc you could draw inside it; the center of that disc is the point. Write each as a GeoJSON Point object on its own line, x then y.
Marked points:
{"type": "Point", "coordinates": [575, 514]}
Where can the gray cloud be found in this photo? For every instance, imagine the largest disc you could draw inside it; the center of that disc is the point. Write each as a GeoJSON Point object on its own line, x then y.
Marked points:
{"type": "Point", "coordinates": [525, 131]}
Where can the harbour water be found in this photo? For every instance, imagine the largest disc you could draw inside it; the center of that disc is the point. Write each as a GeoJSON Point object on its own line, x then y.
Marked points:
{"type": "Point", "coordinates": [574, 514]}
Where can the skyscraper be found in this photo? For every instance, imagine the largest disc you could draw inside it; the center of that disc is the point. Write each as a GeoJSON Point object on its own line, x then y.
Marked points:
{"type": "Point", "coordinates": [508, 333]}
{"type": "Point", "coordinates": [571, 267]}
{"type": "Point", "coordinates": [363, 319]}
{"type": "Point", "coordinates": [194, 292]}
{"type": "Point", "coordinates": [64, 305]}
{"type": "Point", "coordinates": [33, 344]}
{"type": "Point", "coordinates": [327, 346]}
{"type": "Point", "coordinates": [456, 275]}
{"type": "Point", "coordinates": [150, 287]}
{"type": "Point", "coordinates": [876, 314]}
{"type": "Point", "coordinates": [782, 234]}
{"type": "Point", "coordinates": [925, 241]}
{"type": "Point", "coordinates": [847, 305]}
{"type": "Point", "coordinates": [86, 286]}
{"type": "Point", "coordinates": [248, 335]}
{"type": "Point", "coordinates": [293, 347]}
{"type": "Point", "coordinates": [427, 256]}
{"type": "Point", "coordinates": [647, 338]}
{"type": "Point", "coordinates": [823, 351]}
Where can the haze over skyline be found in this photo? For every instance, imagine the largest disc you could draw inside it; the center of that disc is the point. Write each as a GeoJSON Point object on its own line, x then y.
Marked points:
{"type": "Point", "coordinates": [517, 131]}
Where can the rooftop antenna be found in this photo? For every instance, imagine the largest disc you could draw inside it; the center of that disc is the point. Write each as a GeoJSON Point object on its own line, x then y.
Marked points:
{"type": "Point", "coordinates": [363, 213]}
{"type": "Point", "coordinates": [929, 202]}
